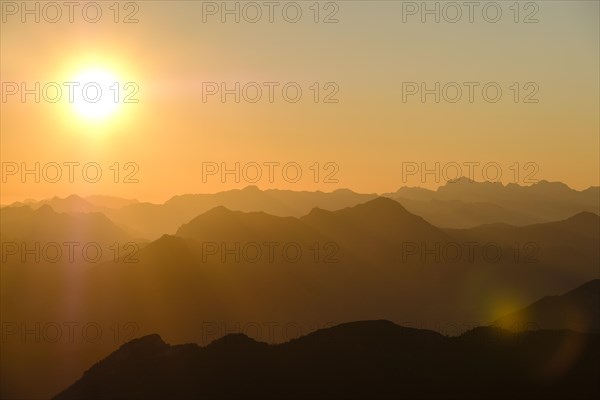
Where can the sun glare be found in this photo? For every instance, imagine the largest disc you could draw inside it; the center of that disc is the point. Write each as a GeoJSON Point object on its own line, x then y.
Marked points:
{"type": "Point", "coordinates": [96, 94]}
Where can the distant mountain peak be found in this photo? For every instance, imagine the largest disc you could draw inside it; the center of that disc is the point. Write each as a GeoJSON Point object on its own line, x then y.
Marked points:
{"type": "Point", "coordinates": [166, 238]}
{"type": "Point", "coordinates": [151, 340]}
{"type": "Point", "coordinates": [315, 211]}
{"type": "Point", "coordinates": [218, 210]}
{"type": "Point", "coordinates": [592, 286]}
{"type": "Point", "coordinates": [382, 203]}
{"type": "Point", "coordinates": [369, 324]}
{"type": "Point", "coordinates": [236, 340]}
{"type": "Point", "coordinates": [463, 180]}
{"type": "Point", "coordinates": [547, 182]}
{"type": "Point", "coordinates": [45, 210]}
{"type": "Point", "coordinates": [460, 180]}
{"type": "Point", "coordinates": [167, 242]}
{"type": "Point", "coordinates": [344, 190]}
{"type": "Point", "coordinates": [139, 347]}
{"type": "Point", "coordinates": [376, 205]}
{"type": "Point", "coordinates": [74, 197]}
{"type": "Point", "coordinates": [544, 184]}
{"type": "Point", "coordinates": [584, 215]}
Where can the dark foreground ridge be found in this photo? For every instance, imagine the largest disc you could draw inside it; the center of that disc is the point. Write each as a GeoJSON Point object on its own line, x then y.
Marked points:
{"type": "Point", "coordinates": [357, 360]}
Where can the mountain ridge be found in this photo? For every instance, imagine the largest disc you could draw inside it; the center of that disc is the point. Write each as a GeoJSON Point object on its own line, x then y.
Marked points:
{"type": "Point", "coordinates": [355, 359]}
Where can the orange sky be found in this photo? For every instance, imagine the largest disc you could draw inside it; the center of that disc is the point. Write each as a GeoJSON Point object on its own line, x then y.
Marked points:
{"type": "Point", "coordinates": [362, 140]}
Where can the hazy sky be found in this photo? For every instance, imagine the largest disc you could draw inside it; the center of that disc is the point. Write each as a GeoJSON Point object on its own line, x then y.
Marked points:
{"type": "Point", "coordinates": [372, 58]}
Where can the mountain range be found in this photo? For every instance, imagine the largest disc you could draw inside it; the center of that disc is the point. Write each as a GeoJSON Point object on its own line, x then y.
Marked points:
{"type": "Point", "coordinates": [319, 260]}
{"type": "Point", "coordinates": [358, 360]}
{"type": "Point", "coordinates": [459, 203]}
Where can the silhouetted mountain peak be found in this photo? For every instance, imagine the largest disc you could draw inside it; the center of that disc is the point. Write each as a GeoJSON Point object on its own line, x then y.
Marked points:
{"type": "Point", "coordinates": [380, 206]}
{"type": "Point", "coordinates": [143, 347]}
{"type": "Point", "coordinates": [236, 341]}
{"type": "Point", "coordinates": [385, 211]}
{"type": "Point", "coordinates": [545, 183]}
{"type": "Point", "coordinates": [221, 220]}
{"type": "Point", "coordinates": [367, 333]}
{"type": "Point", "coordinates": [71, 200]}
{"type": "Point", "coordinates": [591, 287]}
{"type": "Point", "coordinates": [316, 212]}
{"type": "Point", "coordinates": [166, 240]}
{"type": "Point", "coordinates": [73, 197]}
{"type": "Point", "coordinates": [219, 210]}
{"type": "Point", "coordinates": [344, 191]}
{"type": "Point", "coordinates": [45, 210]}
{"type": "Point", "coordinates": [460, 180]}
{"type": "Point", "coordinates": [381, 218]}
{"type": "Point", "coordinates": [584, 216]}
{"type": "Point", "coordinates": [383, 202]}
{"type": "Point", "coordinates": [144, 343]}
{"type": "Point", "coordinates": [463, 180]}
{"type": "Point", "coordinates": [376, 209]}
{"type": "Point", "coordinates": [375, 325]}
{"type": "Point", "coordinates": [576, 310]}
{"type": "Point", "coordinates": [485, 333]}
{"type": "Point", "coordinates": [168, 244]}
{"type": "Point", "coordinates": [378, 326]}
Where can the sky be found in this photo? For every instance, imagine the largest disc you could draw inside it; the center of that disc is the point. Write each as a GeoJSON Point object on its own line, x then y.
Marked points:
{"type": "Point", "coordinates": [360, 120]}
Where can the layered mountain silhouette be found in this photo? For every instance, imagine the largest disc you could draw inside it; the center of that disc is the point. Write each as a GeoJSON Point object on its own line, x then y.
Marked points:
{"type": "Point", "coordinates": [579, 230]}
{"type": "Point", "coordinates": [158, 219]}
{"type": "Point", "coordinates": [221, 267]}
{"type": "Point", "coordinates": [375, 257]}
{"type": "Point", "coordinates": [72, 204]}
{"type": "Point", "coordinates": [457, 204]}
{"type": "Point", "coordinates": [463, 203]}
{"type": "Point", "coordinates": [44, 224]}
{"type": "Point", "coordinates": [358, 360]}
{"type": "Point", "coordinates": [379, 217]}
{"type": "Point", "coordinates": [464, 214]}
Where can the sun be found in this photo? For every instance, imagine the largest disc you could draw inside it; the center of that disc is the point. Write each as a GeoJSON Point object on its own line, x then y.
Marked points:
{"type": "Point", "coordinates": [96, 94]}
